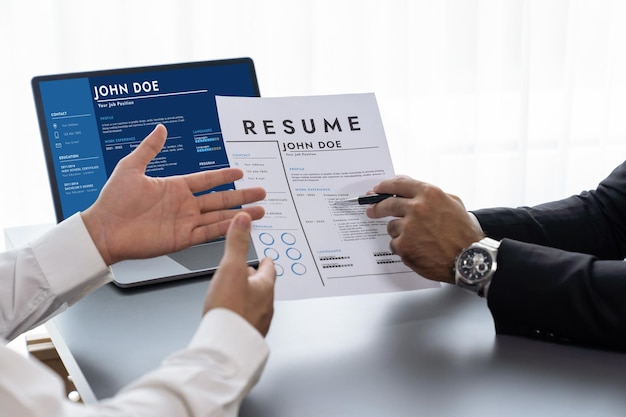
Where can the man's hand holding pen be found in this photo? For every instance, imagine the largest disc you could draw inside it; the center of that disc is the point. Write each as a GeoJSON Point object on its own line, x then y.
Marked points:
{"type": "Point", "coordinates": [430, 227]}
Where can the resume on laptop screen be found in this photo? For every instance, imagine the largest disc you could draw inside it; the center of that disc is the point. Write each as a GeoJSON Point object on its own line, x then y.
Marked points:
{"type": "Point", "coordinates": [89, 121]}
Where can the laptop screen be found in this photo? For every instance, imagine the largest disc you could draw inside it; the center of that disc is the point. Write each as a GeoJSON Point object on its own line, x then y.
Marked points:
{"type": "Point", "coordinates": [90, 120]}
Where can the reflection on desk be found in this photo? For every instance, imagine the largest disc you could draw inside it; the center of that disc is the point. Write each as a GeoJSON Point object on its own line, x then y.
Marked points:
{"type": "Point", "coordinates": [428, 352]}
{"type": "Point", "coordinates": [425, 353]}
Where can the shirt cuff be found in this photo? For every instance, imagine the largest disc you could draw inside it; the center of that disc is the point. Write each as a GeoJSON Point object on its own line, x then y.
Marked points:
{"type": "Point", "coordinates": [70, 260]}
{"type": "Point", "coordinates": [227, 332]}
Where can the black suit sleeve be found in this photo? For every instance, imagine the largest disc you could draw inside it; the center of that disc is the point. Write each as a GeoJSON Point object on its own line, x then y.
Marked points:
{"type": "Point", "coordinates": [561, 274]}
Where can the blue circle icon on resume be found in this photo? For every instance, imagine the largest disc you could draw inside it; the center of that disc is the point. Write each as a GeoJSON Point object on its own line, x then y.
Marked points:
{"type": "Point", "coordinates": [298, 268]}
{"type": "Point", "coordinates": [288, 238]}
{"type": "Point", "coordinates": [266, 238]}
{"type": "Point", "coordinates": [293, 253]}
{"type": "Point", "coordinates": [271, 253]}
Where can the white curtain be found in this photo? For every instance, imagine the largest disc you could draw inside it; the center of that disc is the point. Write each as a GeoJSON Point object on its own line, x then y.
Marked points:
{"type": "Point", "coordinates": [502, 102]}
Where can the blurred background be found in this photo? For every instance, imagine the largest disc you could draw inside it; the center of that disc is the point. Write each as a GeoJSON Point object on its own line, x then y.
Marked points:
{"type": "Point", "coordinates": [502, 102]}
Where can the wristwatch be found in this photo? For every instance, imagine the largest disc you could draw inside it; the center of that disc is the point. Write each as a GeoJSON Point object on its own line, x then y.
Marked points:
{"type": "Point", "coordinates": [475, 266]}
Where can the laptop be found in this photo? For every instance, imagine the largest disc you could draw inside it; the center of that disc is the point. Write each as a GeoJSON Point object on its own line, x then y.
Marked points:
{"type": "Point", "coordinates": [90, 120]}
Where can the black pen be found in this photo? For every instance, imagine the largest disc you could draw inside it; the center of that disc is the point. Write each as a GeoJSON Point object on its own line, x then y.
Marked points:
{"type": "Point", "coordinates": [366, 199]}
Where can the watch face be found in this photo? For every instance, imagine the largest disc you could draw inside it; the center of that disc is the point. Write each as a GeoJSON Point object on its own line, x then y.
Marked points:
{"type": "Point", "coordinates": [474, 264]}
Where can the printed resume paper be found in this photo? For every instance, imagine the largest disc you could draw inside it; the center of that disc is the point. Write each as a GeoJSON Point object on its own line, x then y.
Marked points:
{"type": "Point", "coordinates": [309, 153]}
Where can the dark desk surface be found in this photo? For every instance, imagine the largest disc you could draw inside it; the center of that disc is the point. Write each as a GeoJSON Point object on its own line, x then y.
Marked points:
{"type": "Point", "coordinates": [429, 352]}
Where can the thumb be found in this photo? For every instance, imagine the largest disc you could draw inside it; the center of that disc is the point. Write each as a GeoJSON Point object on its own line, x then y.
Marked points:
{"type": "Point", "coordinates": [237, 240]}
{"type": "Point", "coordinates": [149, 147]}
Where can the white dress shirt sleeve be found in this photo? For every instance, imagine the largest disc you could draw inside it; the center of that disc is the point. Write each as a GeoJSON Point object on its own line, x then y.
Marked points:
{"type": "Point", "coordinates": [45, 277]}
{"type": "Point", "coordinates": [209, 378]}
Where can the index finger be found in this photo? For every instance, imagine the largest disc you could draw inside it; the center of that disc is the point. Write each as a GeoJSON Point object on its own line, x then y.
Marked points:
{"type": "Point", "coordinates": [401, 185]}
{"type": "Point", "coordinates": [229, 199]}
{"type": "Point", "coordinates": [265, 272]}
{"type": "Point", "coordinates": [405, 189]}
{"type": "Point", "coordinates": [205, 180]}
{"type": "Point", "coordinates": [395, 206]}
